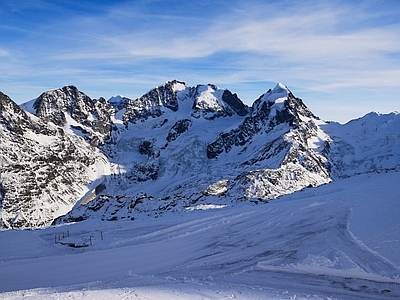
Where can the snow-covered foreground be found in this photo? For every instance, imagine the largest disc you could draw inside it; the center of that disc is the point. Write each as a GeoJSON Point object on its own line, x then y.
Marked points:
{"type": "Point", "coordinates": [338, 241]}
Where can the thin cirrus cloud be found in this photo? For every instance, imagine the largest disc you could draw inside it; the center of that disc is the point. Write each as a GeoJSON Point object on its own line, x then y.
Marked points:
{"type": "Point", "coordinates": [314, 44]}
{"type": "Point", "coordinates": [303, 38]}
{"type": "Point", "coordinates": [294, 33]}
{"type": "Point", "coordinates": [320, 50]}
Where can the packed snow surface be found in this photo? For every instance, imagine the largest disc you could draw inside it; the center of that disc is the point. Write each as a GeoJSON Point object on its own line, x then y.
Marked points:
{"type": "Point", "coordinates": [338, 241]}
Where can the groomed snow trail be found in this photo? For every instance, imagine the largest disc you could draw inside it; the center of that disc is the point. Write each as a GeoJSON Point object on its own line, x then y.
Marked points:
{"type": "Point", "coordinates": [308, 245]}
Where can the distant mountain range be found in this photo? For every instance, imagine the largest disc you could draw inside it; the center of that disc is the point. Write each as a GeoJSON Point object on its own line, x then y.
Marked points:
{"type": "Point", "coordinates": [65, 157]}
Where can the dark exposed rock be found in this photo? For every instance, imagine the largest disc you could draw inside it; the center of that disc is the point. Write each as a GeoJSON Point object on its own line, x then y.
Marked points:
{"type": "Point", "coordinates": [210, 107]}
{"type": "Point", "coordinates": [17, 121]}
{"type": "Point", "coordinates": [143, 172]}
{"type": "Point", "coordinates": [53, 172]}
{"type": "Point", "coordinates": [12, 116]}
{"type": "Point", "coordinates": [179, 127]}
{"type": "Point", "coordinates": [93, 115]}
{"type": "Point", "coordinates": [265, 117]}
{"type": "Point", "coordinates": [152, 104]}
{"type": "Point", "coordinates": [235, 103]}
{"type": "Point", "coordinates": [51, 105]}
{"type": "Point", "coordinates": [148, 148]}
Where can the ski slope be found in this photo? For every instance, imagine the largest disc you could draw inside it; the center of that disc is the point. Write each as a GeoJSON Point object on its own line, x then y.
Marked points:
{"type": "Point", "coordinates": [338, 241]}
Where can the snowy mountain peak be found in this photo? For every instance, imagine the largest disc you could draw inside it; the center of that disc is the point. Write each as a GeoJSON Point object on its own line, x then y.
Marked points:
{"type": "Point", "coordinates": [210, 102]}
{"type": "Point", "coordinates": [279, 92]}
{"type": "Point", "coordinates": [154, 103]}
{"type": "Point", "coordinates": [277, 96]}
{"type": "Point", "coordinates": [52, 105]}
{"type": "Point", "coordinates": [177, 85]}
{"type": "Point", "coordinates": [280, 106]}
{"type": "Point", "coordinates": [11, 115]}
{"type": "Point", "coordinates": [76, 113]}
{"type": "Point", "coordinates": [119, 102]}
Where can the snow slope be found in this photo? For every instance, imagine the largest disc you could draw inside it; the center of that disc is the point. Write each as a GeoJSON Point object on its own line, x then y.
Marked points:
{"type": "Point", "coordinates": [337, 241]}
{"type": "Point", "coordinates": [367, 144]}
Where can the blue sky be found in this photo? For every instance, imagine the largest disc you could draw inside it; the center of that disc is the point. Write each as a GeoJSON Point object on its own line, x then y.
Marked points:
{"type": "Point", "coordinates": [341, 57]}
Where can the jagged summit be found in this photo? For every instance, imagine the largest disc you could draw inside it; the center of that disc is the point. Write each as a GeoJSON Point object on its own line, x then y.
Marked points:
{"type": "Point", "coordinates": [277, 94]}
{"type": "Point", "coordinates": [118, 102]}
{"type": "Point", "coordinates": [11, 115]}
{"type": "Point", "coordinates": [177, 85]}
{"type": "Point", "coordinates": [153, 104]}
{"type": "Point", "coordinates": [210, 102]}
{"type": "Point", "coordinates": [280, 105]}
{"type": "Point", "coordinates": [51, 105]}
{"type": "Point", "coordinates": [76, 112]}
{"type": "Point", "coordinates": [202, 101]}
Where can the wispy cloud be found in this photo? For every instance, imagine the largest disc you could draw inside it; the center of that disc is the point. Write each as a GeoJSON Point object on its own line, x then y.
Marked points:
{"type": "Point", "coordinates": [295, 34]}
{"type": "Point", "coordinates": [4, 52]}
{"type": "Point", "coordinates": [324, 47]}
{"type": "Point", "coordinates": [308, 35]}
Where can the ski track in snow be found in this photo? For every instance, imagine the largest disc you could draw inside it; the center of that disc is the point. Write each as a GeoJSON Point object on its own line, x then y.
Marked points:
{"type": "Point", "coordinates": [313, 244]}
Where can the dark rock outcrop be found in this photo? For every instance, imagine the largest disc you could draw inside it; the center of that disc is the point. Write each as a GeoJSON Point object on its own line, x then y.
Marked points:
{"type": "Point", "coordinates": [93, 117]}
{"type": "Point", "coordinates": [178, 128]}
{"type": "Point", "coordinates": [152, 104]}
{"type": "Point", "coordinates": [43, 171]}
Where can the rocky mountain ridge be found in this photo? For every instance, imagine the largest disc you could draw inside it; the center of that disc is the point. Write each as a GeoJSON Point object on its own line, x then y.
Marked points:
{"type": "Point", "coordinates": [174, 148]}
{"type": "Point", "coordinates": [43, 170]}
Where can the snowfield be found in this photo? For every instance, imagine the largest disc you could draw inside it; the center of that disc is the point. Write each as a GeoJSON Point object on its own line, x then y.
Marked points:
{"type": "Point", "coordinates": [338, 241]}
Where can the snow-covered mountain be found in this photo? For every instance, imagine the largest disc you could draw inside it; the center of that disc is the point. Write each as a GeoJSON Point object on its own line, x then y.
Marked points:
{"type": "Point", "coordinates": [368, 144]}
{"type": "Point", "coordinates": [44, 170]}
{"type": "Point", "coordinates": [76, 112]}
{"type": "Point", "coordinates": [173, 148]}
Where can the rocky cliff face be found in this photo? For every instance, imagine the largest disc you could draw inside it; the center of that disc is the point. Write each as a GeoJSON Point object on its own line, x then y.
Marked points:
{"type": "Point", "coordinates": [153, 104]}
{"type": "Point", "coordinates": [207, 101]}
{"type": "Point", "coordinates": [174, 147]}
{"type": "Point", "coordinates": [43, 170]}
{"type": "Point", "coordinates": [211, 102]}
{"type": "Point", "coordinates": [276, 110]}
{"type": "Point", "coordinates": [68, 106]}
